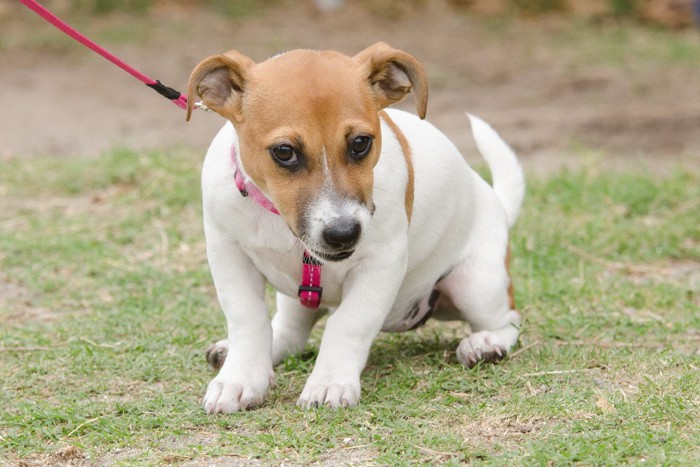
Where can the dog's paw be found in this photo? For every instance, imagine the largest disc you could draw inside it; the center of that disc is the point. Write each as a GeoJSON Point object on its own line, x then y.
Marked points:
{"type": "Point", "coordinates": [216, 354]}
{"type": "Point", "coordinates": [482, 346]}
{"type": "Point", "coordinates": [228, 395]}
{"type": "Point", "coordinates": [332, 395]}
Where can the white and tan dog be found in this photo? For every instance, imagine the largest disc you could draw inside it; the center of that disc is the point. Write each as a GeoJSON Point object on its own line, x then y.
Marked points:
{"type": "Point", "coordinates": [403, 227]}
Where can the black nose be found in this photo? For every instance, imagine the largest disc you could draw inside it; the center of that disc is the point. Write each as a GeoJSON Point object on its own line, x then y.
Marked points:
{"type": "Point", "coordinates": [342, 234]}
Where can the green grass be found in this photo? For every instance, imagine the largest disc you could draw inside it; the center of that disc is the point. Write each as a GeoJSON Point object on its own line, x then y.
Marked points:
{"type": "Point", "coordinates": [629, 47]}
{"type": "Point", "coordinates": [107, 307]}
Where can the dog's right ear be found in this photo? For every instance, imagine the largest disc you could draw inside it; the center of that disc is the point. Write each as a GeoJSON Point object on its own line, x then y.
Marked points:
{"type": "Point", "coordinates": [220, 81]}
{"type": "Point", "coordinates": [392, 74]}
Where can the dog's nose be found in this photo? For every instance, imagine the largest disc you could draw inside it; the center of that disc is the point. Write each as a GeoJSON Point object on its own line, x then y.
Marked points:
{"type": "Point", "coordinates": [342, 234]}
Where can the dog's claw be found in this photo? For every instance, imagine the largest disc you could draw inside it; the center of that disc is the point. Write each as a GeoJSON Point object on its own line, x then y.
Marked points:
{"type": "Point", "coordinates": [482, 346]}
{"type": "Point", "coordinates": [332, 396]}
{"type": "Point", "coordinates": [233, 393]}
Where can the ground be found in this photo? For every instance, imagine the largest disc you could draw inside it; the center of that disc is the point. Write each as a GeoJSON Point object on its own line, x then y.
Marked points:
{"type": "Point", "coordinates": [560, 90]}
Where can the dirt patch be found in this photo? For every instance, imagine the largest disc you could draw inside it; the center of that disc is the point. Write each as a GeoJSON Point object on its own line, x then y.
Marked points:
{"type": "Point", "coordinates": [550, 86]}
{"type": "Point", "coordinates": [66, 456]}
{"type": "Point", "coordinates": [681, 272]}
{"type": "Point", "coordinates": [223, 461]}
{"type": "Point", "coordinates": [17, 305]}
{"type": "Point", "coordinates": [509, 432]}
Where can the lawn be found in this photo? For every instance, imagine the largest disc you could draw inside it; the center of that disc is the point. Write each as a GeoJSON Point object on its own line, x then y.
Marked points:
{"type": "Point", "coordinates": [107, 308]}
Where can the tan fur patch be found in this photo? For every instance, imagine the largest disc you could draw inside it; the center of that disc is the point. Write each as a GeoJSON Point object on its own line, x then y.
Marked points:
{"type": "Point", "coordinates": [511, 289]}
{"type": "Point", "coordinates": [406, 149]}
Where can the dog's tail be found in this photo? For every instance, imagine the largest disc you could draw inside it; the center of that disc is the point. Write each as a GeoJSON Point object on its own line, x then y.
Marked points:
{"type": "Point", "coordinates": [508, 178]}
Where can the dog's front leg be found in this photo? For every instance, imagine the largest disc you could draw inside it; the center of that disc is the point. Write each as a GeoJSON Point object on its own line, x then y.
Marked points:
{"type": "Point", "coordinates": [368, 295]}
{"type": "Point", "coordinates": [291, 327]}
{"type": "Point", "coordinates": [246, 374]}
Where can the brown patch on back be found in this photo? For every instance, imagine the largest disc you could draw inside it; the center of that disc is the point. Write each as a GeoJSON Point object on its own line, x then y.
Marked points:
{"type": "Point", "coordinates": [511, 289]}
{"type": "Point", "coordinates": [406, 149]}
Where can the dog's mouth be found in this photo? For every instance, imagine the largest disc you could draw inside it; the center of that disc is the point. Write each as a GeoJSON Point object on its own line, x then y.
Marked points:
{"type": "Point", "coordinates": [334, 257]}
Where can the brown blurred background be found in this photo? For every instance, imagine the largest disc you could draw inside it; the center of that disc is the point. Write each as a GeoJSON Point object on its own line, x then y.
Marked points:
{"type": "Point", "coordinates": [567, 82]}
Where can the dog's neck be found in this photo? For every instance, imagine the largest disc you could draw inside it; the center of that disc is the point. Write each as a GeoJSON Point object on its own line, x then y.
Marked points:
{"type": "Point", "coordinates": [310, 289]}
{"type": "Point", "coordinates": [249, 189]}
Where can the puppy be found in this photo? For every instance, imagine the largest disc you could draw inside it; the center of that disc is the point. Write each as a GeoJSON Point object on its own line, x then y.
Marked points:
{"type": "Point", "coordinates": [371, 215]}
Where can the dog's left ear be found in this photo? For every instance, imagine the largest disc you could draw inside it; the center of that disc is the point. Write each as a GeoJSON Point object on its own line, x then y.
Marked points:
{"type": "Point", "coordinates": [220, 81]}
{"type": "Point", "coordinates": [392, 74]}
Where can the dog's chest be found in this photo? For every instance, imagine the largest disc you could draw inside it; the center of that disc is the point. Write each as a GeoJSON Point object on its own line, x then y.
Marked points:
{"type": "Point", "coordinates": [278, 256]}
{"type": "Point", "coordinates": [283, 271]}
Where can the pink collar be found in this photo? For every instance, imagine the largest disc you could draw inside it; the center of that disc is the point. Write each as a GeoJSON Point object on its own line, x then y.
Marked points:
{"type": "Point", "coordinates": [310, 289]}
{"type": "Point", "coordinates": [249, 189]}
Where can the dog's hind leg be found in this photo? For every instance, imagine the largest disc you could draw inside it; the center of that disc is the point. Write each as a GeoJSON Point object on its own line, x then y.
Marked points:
{"type": "Point", "coordinates": [216, 353]}
{"type": "Point", "coordinates": [479, 287]}
{"type": "Point", "coordinates": [291, 326]}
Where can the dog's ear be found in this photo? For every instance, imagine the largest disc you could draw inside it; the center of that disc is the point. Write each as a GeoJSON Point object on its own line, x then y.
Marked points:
{"type": "Point", "coordinates": [392, 74]}
{"type": "Point", "coordinates": [220, 81]}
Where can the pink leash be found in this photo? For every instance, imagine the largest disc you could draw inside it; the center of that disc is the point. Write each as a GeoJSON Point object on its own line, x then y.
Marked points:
{"type": "Point", "coordinates": [179, 99]}
{"type": "Point", "coordinates": [310, 289]}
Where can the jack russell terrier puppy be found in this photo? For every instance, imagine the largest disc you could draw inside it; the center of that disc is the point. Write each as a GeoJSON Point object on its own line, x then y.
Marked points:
{"type": "Point", "coordinates": [342, 206]}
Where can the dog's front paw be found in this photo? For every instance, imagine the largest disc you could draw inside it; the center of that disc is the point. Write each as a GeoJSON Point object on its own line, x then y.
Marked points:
{"type": "Point", "coordinates": [230, 394]}
{"type": "Point", "coordinates": [482, 346]}
{"type": "Point", "coordinates": [332, 395]}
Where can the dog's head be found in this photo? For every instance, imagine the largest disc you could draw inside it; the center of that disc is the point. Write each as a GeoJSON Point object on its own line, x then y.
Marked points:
{"type": "Point", "coordinates": [309, 131]}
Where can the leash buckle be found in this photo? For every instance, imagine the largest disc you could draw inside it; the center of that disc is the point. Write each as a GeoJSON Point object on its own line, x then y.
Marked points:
{"type": "Point", "coordinates": [313, 297]}
{"type": "Point", "coordinates": [310, 288]}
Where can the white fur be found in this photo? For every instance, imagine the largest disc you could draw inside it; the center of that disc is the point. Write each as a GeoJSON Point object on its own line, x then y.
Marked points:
{"type": "Point", "coordinates": [508, 180]}
{"type": "Point", "coordinates": [327, 207]}
{"type": "Point", "coordinates": [458, 232]}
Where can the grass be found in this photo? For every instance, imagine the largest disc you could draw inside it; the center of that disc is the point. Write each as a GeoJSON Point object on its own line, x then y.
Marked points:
{"type": "Point", "coordinates": [107, 308]}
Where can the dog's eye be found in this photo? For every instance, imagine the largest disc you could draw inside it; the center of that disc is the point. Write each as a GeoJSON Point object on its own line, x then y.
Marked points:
{"type": "Point", "coordinates": [360, 146]}
{"type": "Point", "coordinates": [285, 155]}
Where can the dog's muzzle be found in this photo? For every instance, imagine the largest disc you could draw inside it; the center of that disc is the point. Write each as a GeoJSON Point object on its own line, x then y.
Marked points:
{"type": "Point", "coordinates": [339, 239]}
{"type": "Point", "coordinates": [342, 234]}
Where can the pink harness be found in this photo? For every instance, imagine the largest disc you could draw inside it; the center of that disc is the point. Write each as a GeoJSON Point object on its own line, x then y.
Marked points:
{"type": "Point", "coordinates": [310, 289]}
